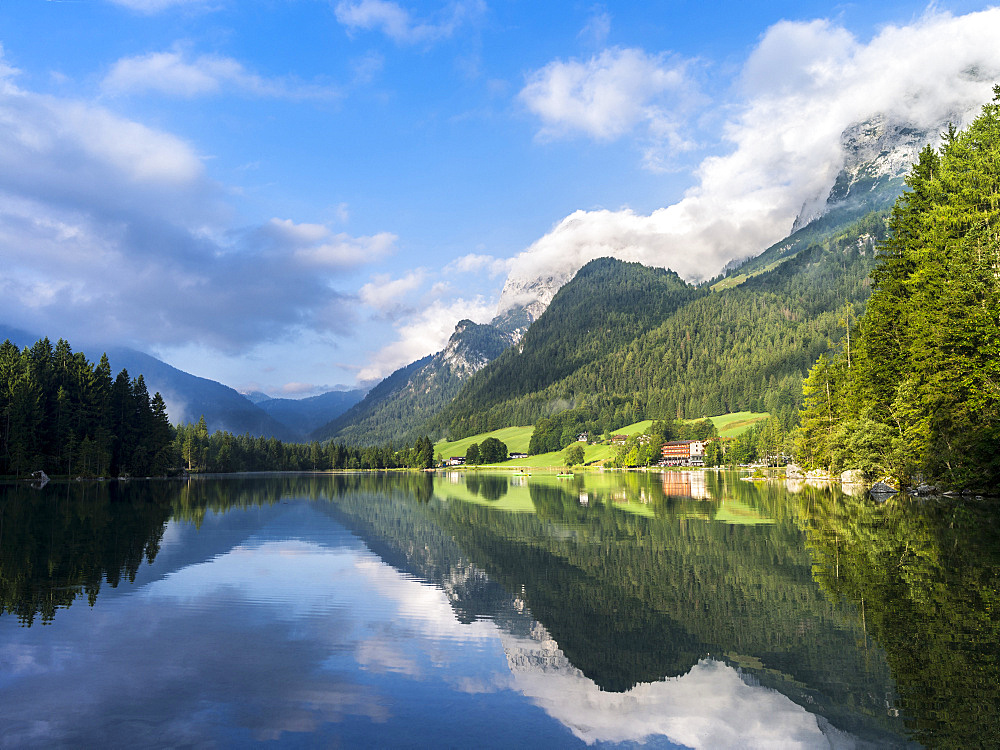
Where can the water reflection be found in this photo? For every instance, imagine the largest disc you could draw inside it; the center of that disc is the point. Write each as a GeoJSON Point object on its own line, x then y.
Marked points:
{"type": "Point", "coordinates": [679, 608]}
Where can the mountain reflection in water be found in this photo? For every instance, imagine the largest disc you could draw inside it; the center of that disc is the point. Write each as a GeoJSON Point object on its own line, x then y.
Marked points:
{"type": "Point", "coordinates": [678, 609]}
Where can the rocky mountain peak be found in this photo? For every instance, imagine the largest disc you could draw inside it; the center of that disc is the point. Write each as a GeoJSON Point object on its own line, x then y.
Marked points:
{"type": "Point", "coordinates": [878, 153]}
{"type": "Point", "coordinates": [471, 347]}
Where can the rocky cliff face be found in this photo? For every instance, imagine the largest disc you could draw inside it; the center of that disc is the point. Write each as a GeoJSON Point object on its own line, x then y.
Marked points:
{"type": "Point", "coordinates": [878, 154]}
{"type": "Point", "coordinates": [524, 298]}
{"type": "Point", "coordinates": [471, 347]}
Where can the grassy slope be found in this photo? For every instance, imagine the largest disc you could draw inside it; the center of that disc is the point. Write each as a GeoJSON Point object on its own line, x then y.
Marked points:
{"type": "Point", "coordinates": [731, 425]}
{"type": "Point", "coordinates": [517, 439]}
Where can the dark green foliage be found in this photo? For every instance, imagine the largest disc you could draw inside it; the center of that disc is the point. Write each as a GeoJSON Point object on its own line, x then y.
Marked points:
{"type": "Point", "coordinates": [59, 549]}
{"type": "Point", "coordinates": [556, 432]}
{"type": "Point", "coordinates": [606, 305]}
{"type": "Point", "coordinates": [918, 393]}
{"type": "Point", "coordinates": [573, 455]}
{"type": "Point", "coordinates": [924, 575]}
{"type": "Point", "coordinates": [472, 454]}
{"type": "Point", "coordinates": [62, 415]}
{"type": "Point", "coordinates": [223, 452]}
{"type": "Point", "coordinates": [492, 451]}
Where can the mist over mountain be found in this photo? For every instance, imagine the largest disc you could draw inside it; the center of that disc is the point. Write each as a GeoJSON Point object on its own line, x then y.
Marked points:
{"type": "Point", "coordinates": [589, 346]}
{"type": "Point", "coordinates": [872, 157]}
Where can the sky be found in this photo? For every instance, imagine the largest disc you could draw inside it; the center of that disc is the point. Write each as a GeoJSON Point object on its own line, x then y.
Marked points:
{"type": "Point", "coordinates": [291, 196]}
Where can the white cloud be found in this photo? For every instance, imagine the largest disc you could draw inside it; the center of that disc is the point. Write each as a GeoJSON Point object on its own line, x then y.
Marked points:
{"type": "Point", "coordinates": [597, 29]}
{"type": "Point", "coordinates": [478, 263]}
{"type": "Point", "coordinates": [803, 85]}
{"type": "Point", "coordinates": [344, 251]}
{"type": "Point", "coordinates": [609, 95]}
{"type": "Point", "coordinates": [110, 228]}
{"type": "Point", "coordinates": [171, 73]}
{"type": "Point", "coordinates": [426, 333]}
{"type": "Point", "coordinates": [709, 707]}
{"type": "Point", "coordinates": [395, 21]}
{"type": "Point", "coordinates": [385, 293]}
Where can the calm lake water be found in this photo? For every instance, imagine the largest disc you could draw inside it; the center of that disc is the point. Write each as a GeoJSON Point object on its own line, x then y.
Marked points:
{"type": "Point", "coordinates": [491, 610]}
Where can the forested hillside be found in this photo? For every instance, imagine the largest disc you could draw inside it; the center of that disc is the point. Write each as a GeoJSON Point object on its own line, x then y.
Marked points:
{"type": "Point", "coordinates": [742, 348]}
{"type": "Point", "coordinates": [609, 304]}
{"type": "Point", "coordinates": [916, 392]}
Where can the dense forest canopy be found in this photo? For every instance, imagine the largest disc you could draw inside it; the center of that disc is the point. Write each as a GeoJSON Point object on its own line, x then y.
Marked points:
{"type": "Point", "coordinates": [915, 392]}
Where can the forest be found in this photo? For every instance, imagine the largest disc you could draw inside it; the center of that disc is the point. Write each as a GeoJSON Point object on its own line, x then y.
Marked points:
{"type": "Point", "coordinates": [63, 415]}
{"type": "Point", "coordinates": [897, 315]}
{"type": "Point", "coordinates": [67, 417]}
{"type": "Point", "coordinates": [914, 393]}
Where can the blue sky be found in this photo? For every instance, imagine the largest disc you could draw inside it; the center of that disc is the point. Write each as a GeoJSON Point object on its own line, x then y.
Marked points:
{"type": "Point", "coordinates": [292, 195]}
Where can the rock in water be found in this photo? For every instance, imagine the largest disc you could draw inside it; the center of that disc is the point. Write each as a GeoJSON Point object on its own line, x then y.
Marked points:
{"type": "Point", "coordinates": [881, 490]}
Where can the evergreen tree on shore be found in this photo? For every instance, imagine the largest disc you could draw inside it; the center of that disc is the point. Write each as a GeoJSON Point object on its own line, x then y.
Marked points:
{"type": "Point", "coordinates": [62, 415]}
{"type": "Point", "coordinates": [920, 393]}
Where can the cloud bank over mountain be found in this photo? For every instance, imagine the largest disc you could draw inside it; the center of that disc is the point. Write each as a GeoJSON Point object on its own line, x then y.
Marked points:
{"type": "Point", "coordinates": [803, 85]}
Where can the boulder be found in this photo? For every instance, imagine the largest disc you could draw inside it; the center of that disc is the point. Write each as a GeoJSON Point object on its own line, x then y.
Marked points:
{"type": "Point", "coordinates": [793, 471]}
{"type": "Point", "coordinates": [881, 490]}
{"type": "Point", "coordinates": [852, 476]}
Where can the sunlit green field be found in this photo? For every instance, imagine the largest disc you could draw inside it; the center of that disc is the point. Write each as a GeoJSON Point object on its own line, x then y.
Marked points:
{"type": "Point", "coordinates": [518, 438]}
{"type": "Point", "coordinates": [515, 438]}
{"type": "Point", "coordinates": [731, 425]}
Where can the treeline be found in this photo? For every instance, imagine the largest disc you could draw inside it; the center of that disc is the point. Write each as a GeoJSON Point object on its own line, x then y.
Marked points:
{"type": "Point", "coordinates": [223, 452]}
{"type": "Point", "coordinates": [741, 349]}
{"type": "Point", "coordinates": [914, 393]}
{"type": "Point", "coordinates": [62, 415]}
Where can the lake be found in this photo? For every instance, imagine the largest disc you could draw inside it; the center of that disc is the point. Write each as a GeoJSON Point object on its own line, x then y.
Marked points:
{"type": "Point", "coordinates": [475, 609]}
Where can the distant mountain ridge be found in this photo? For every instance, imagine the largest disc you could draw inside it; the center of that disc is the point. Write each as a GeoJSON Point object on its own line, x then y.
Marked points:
{"type": "Point", "coordinates": [189, 397]}
{"type": "Point", "coordinates": [307, 414]}
{"type": "Point", "coordinates": [396, 409]}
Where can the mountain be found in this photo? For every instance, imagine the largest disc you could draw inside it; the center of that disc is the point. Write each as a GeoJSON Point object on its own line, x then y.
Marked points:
{"type": "Point", "coordinates": [255, 397]}
{"type": "Point", "coordinates": [305, 415]}
{"type": "Point", "coordinates": [608, 304]}
{"type": "Point", "coordinates": [397, 408]}
{"type": "Point", "coordinates": [189, 397]}
{"type": "Point", "coordinates": [698, 352]}
{"type": "Point", "coordinates": [876, 155]}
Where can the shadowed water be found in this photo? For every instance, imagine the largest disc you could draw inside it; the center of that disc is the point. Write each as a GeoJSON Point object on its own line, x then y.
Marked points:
{"type": "Point", "coordinates": [475, 609]}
